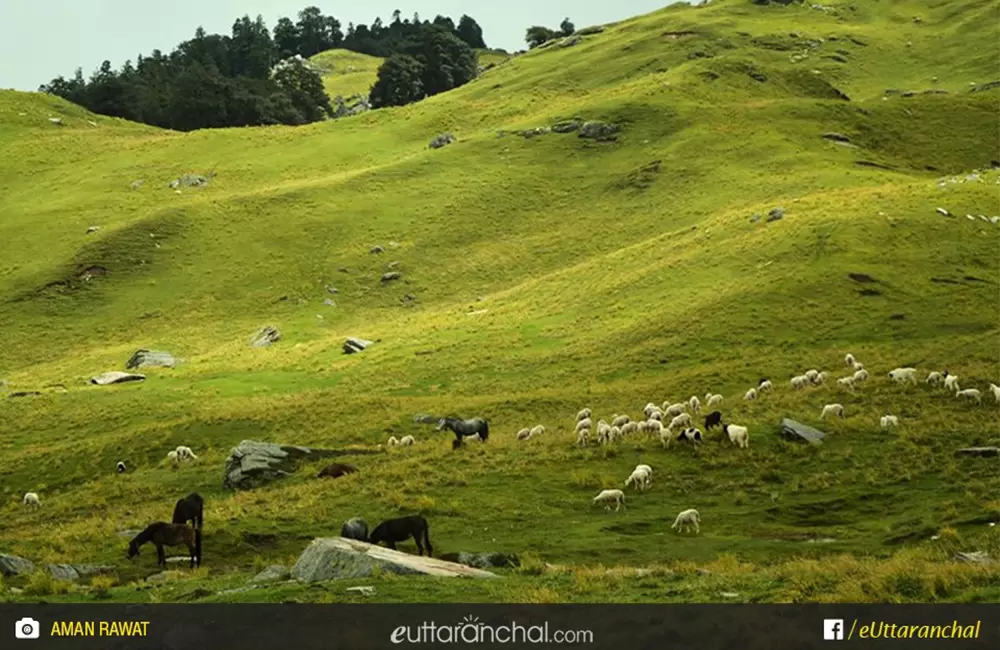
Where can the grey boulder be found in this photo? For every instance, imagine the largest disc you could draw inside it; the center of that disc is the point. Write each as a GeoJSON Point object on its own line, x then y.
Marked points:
{"type": "Point", "coordinates": [252, 464]}
{"type": "Point", "coordinates": [150, 359]}
{"type": "Point", "coordinates": [484, 560]}
{"type": "Point", "coordinates": [355, 528]}
{"type": "Point", "coordinates": [329, 558]}
{"type": "Point", "coordinates": [265, 336]}
{"type": "Point", "coordinates": [798, 431]}
{"type": "Point", "coordinates": [599, 130]}
{"type": "Point", "coordinates": [441, 141]}
{"type": "Point", "coordinates": [273, 573]}
{"type": "Point", "coordinates": [353, 344]}
{"type": "Point", "coordinates": [12, 565]}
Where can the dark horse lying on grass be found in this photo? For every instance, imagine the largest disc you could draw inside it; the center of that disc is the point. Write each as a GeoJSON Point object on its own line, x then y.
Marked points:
{"type": "Point", "coordinates": [163, 534]}
{"type": "Point", "coordinates": [465, 429]}
{"type": "Point", "coordinates": [391, 531]}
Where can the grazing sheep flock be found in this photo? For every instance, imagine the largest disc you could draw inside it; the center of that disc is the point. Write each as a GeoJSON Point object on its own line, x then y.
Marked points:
{"type": "Point", "coordinates": [680, 429]}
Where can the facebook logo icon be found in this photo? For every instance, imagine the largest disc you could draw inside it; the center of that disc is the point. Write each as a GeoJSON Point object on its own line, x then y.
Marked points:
{"type": "Point", "coordinates": [833, 629]}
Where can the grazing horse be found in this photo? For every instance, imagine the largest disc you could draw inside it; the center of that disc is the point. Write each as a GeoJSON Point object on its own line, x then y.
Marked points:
{"type": "Point", "coordinates": [163, 534]}
{"type": "Point", "coordinates": [336, 470]}
{"type": "Point", "coordinates": [465, 429]}
{"type": "Point", "coordinates": [391, 531]}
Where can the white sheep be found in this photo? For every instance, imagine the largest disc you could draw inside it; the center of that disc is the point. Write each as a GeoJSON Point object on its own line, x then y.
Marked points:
{"type": "Point", "coordinates": [603, 431]}
{"type": "Point", "coordinates": [614, 435]}
{"type": "Point", "coordinates": [935, 378]}
{"type": "Point", "coordinates": [524, 434]}
{"type": "Point", "coordinates": [903, 375]}
{"type": "Point", "coordinates": [667, 436]}
{"type": "Point", "coordinates": [832, 409]}
{"type": "Point", "coordinates": [120, 467]}
{"type": "Point", "coordinates": [846, 382]}
{"type": "Point", "coordinates": [583, 424]}
{"type": "Point", "coordinates": [639, 478]}
{"type": "Point", "coordinates": [583, 414]}
{"type": "Point", "coordinates": [682, 419]}
{"type": "Point", "coordinates": [173, 457]}
{"type": "Point", "coordinates": [811, 375]}
{"type": "Point", "coordinates": [607, 497]}
{"type": "Point", "coordinates": [857, 365]}
{"type": "Point", "coordinates": [392, 442]}
{"type": "Point", "coordinates": [583, 437]}
{"type": "Point", "coordinates": [406, 441]}
{"type": "Point", "coordinates": [887, 421]}
{"type": "Point", "coordinates": [996, 392]}
{"type": "Point", "coordinates": [654, 427]}
{"type": "Point", "coordinates": [675, 409]}
{"type": "Point", "coordinates": [695, 404]}
{"type": "Point", "coordinates": [971, 393]}
{"type": "Point", "coordinates": [750, 394]}
{"type": "Point", "coordinates": [537, 430]}
{"type": "Point", "coordinates": [765, 385]}
{"type": "Point", "coordinates": [951, 383]}
{"type": "Point", "coordinates": [713, 400]}
{"type": "Point", "coordinates": [739, 436]}
{"type": "Point", "coordinates": [656, 415]}
{"type": "Point", "coordinates": [821, 377]}
{"type": "Point", "coordinates": [630, 428]}
{"type": "Point", "coordinates": [799, 382]}
{"type": "Point", "coordinates": [849, 359]}
{"type": "Point", "coordinates": [860, 375]}
{"type": "Point", "coordinates": [649, 408]}
{"type": "Point", "coordinates": [620, 420]}
{"type": "Point", "coordinates": [185, 453]}
{"type": "Point", "coordinates": [686, 520]}
{"type": "Point", "coordinates": [647, 468]}
{"type": "Point", "coordinates": [31, 499]}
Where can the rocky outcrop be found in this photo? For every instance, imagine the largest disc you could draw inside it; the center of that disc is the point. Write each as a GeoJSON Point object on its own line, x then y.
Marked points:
{"type": "Point", "coordinates": [150, 359]}
{"type": "Point", "coordinates": [116, 377]}
{"type": "Point", "coordinates": [273, 573]}
{"type": "Point", "coordinates": [798, 431]}
{"type": "Point", "coordinates": [265, 336]}
{"type": "Point", "coordinates": [353, 345]}
{"type": "Point", "coordinates": [252, 463]}
{"type": "Point", "coordinates": [441, 141]}
{"type": "Point", "coordinates": [12, 565]}
{"type": "Point", "coordinates": [336, 557]}
{"type": "Point", "coordinates": [484, 560]}
{"type": "Point", "coordinates": [76, 571]}
{"type": "Point", "coordinates": [188, 180]}
{"type": "Point", "coordinates": [602, 131]}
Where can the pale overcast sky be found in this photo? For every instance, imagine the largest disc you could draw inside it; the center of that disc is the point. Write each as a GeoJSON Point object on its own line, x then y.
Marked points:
{"type": "Point", "coordinates": [46, 38]}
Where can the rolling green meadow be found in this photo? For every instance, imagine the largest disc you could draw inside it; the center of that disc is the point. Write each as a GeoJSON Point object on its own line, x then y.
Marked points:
{"type": "Point", "coordinates": [540, 275]}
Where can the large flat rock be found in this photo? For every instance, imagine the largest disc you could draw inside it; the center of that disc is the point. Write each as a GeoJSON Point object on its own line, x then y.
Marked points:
{"type": "Point", "coordinates": [797, 430]}
{"type": "Point", "coordinates": [327, 558]}
{"type": "Point", "coordinates": [116, 377]}
{"type": "Point", "coordinates": [150, 359]}
{"type": "Point", "coordinates": [252, 463]}
{"type": "Point", "coordinates": [12, 565]}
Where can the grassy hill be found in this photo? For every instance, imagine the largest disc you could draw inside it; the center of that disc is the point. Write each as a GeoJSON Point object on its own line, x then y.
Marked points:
{"type": "Point", "coordinates": [539, 275]}
{"type": "Point", "coordinates": [347, 73]}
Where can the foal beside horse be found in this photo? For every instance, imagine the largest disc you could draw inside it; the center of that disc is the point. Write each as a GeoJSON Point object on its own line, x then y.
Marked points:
{"type": "Point", "coordinates": [391, 531]}
{"type": "Point", "coordinates": [163, 534]}
{"type": "Point", "coordinates": [465, 429]}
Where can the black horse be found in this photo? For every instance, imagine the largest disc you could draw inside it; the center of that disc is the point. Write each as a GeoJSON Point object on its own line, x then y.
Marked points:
{"type": "Point", "coordinates": [465, 429]}
{"type": "Point", "coordinates": [163, 534]}
{"type": "Point", "coordinates": [392, 531]}
{"type": "Point", "coordinates": [190, 508]}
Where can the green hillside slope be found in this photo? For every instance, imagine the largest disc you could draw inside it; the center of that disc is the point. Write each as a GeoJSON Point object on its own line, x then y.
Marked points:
{"type": "Point", "coordinates": [347, 73]}
{"type": "Point", "coordinates": [539, 275]}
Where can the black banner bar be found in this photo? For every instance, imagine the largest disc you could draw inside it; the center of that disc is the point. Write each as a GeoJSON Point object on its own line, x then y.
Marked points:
{"type": "Point", "coordinates": [617, 627]}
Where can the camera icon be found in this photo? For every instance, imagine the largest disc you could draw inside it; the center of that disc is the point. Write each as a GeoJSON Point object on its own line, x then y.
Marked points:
{"type": "Point", "coordinates": [26, 628]}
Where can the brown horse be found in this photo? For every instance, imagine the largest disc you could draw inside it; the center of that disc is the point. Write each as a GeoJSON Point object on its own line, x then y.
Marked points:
{"type": "Point", "coordinates": [336, 470]}
{"type": "Point", "coordinates": [163, 534]}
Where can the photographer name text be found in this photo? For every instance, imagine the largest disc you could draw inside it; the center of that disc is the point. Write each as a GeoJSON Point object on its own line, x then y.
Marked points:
{"type": "Point", "coordinates": [99, 628]}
